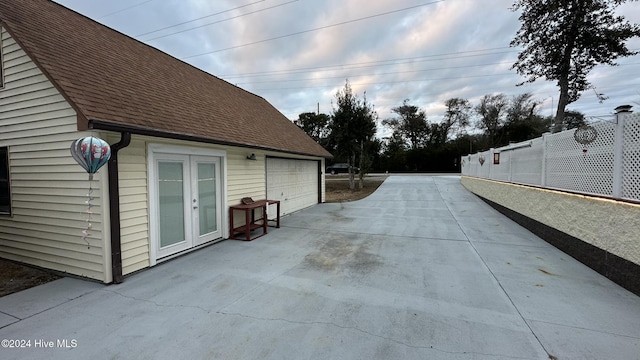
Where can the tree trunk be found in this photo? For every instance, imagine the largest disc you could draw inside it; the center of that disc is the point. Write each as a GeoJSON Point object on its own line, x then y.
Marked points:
{"type": "Point", "coordinates": [361, 166]}
{"type": "Point", "coordinates": [352, 161]}
{"type": "Point", "coordinates": [563, 81]}
{"type": "Point", "coordinates": [563, 101]}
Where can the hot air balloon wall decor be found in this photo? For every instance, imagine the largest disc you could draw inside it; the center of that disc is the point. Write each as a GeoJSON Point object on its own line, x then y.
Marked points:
{"type": "Point", "coordinates": [91, 153]}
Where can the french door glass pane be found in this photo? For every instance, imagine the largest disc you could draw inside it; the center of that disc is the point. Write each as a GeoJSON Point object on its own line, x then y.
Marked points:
{"type": "Point", "coordinates": [207, 197]}
{"type": "Point", "coordinates": [171, 200]}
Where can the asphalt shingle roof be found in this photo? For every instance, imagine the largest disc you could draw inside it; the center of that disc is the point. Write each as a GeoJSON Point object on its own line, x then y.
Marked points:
{"type": "Point", "coordinates": [114, 81]}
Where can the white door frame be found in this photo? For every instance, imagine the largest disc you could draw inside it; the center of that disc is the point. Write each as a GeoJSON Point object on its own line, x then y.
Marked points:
{"type": "Point", "coordinates": [187, 238]}
{"type": "Point", "coordinates": [161, 151]}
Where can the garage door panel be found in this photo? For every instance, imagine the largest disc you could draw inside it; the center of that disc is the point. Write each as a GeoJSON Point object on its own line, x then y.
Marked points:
{"type": "Point", "coordinates": [294, 182]}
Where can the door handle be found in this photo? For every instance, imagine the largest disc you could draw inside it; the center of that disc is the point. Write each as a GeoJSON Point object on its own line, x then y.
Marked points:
{"type": "Point", "coordinates": [195, 207]}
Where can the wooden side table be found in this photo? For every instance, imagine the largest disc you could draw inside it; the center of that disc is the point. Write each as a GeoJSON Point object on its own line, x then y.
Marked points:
{"type": "Point", "coordinates": [250, 221]}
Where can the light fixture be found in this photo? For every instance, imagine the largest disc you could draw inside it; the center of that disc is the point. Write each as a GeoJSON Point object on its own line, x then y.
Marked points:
{"type": "Point", "coordinates": [251, 157]}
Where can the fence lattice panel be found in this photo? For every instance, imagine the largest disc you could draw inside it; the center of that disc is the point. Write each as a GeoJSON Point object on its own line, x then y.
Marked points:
{"type": "Point", "coordinates": [608, 166]}
{"type": "Point", "coordinates": [569, 167]}
{"type": "Point", "coordinates": [631, 158]}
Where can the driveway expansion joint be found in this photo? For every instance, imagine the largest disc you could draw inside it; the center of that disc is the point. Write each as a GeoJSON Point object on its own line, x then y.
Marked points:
{"type": "Point", "coordinates": [43, 310]}
{"type": "Point", "coordinates": [159, 304]}
{"type": "Point", "coordinates": [582, 328]}
{"type": "Point", "coordinates": [431, 347]}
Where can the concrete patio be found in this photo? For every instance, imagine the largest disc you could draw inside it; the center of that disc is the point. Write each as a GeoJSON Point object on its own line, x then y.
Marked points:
{"type": "Point", "coordinates": [421, 269]}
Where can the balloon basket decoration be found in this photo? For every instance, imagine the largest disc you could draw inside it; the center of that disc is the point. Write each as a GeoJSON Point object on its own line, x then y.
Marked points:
{"type": "Point", "coordinates": [91, 153]}
{"type": "Point", "coordinates": [585, 135]}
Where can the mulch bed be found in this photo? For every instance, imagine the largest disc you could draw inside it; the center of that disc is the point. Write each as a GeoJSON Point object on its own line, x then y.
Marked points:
{"type": "Point", "coordinates": [338, 190]}
{"type": "Point", "coordinates": [16, 277]}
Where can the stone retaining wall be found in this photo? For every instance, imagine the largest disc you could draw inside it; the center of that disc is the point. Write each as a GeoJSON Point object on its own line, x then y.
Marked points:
{"type": "Point", "coordinates": [604, 234]}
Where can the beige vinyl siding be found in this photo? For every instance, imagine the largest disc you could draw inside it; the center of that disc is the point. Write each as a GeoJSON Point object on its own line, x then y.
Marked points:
{"type": "Point", "coordinates": [48, 188]}
{"type": "Point", "coordinates": [134, 205]}
{"type": "Point", "coordinates": [245, 178]}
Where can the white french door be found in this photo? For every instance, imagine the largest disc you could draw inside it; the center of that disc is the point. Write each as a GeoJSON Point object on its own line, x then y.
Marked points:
{"type": "Point", "coordinates": [186, 202]}
{"type": "Point", "coordinates": [205, 203]}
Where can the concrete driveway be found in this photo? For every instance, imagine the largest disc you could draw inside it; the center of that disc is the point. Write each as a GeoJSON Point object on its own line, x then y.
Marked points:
{"type": "Point", "coordinates": [422, 269]}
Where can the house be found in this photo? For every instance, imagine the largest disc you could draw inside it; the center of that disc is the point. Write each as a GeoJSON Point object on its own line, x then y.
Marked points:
{"type": "Point", "coordinates": [183, 143]}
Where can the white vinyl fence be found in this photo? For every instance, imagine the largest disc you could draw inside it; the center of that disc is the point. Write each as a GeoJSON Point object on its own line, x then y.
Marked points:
{"type": "Point", "coordinates": [608, 166]}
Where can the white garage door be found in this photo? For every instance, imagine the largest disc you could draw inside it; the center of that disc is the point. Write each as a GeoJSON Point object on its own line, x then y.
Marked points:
{"type": "Point", "coordinates": [293, 182]}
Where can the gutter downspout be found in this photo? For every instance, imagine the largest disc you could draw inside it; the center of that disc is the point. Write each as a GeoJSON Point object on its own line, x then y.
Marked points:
{"type": "Point", "coordinates": [114, 207]}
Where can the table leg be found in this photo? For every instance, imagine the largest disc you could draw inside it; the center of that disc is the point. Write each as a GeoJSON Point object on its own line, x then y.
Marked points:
{"type": "Point", "coordinates": [247, 225]}
{"type": "Point", "coordinates": [231, 231]}
{"type": "Point", "coordinates": [264, 219]}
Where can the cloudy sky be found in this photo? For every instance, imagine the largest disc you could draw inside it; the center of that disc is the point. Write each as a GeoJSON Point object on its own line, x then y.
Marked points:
{"type": "Point", "coordinates": [298, 53]}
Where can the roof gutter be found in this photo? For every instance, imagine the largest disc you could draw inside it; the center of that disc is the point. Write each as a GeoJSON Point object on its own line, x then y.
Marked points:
{"type": "Point", "coordinates": [110, 126]}
{"type": "Point", "coordinates": [114, 207]}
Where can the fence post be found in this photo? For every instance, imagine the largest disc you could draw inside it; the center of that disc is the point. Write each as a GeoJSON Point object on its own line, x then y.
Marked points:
{"type": "Point", "coordinates": [489, 159]}
{"type": "Point", "coordinates": [511, 156]}
{"type": "Point", "coordinates": [543, 172]}
{"type": "Point", "coordinates": [618, 150]}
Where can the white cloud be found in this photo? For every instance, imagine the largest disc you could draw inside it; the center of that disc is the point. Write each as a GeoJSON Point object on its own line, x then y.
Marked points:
{"type": "Point", "coordinates": [428, 53]}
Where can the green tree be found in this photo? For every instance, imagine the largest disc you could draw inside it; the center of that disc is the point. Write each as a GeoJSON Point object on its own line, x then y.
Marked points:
{"type": "Point", "coordinates": [572, 120]}
{"type": "Point", "coordinates": [394, 154]}
{"type": "Point", "coordinates": [373, 151]}
{"type": "Point", "coordinates": [411, 124]}
{"type": "Point", "coordinates": [457, 116]}
{"type": "Point", "coordinates": [491, 116]}
{"type": "Point", "coordinates": [438, 134]}
{"type": "Point", "coordinates": [522, 121]}
{"type": "Point", "coordinates": [315, 125]}
{"type": "Point", "coordinates": [563, 40]}
{"type": "Point", "coordinates": [521, 107]}
{"type": "Point", "coordinates": [352, 127]}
